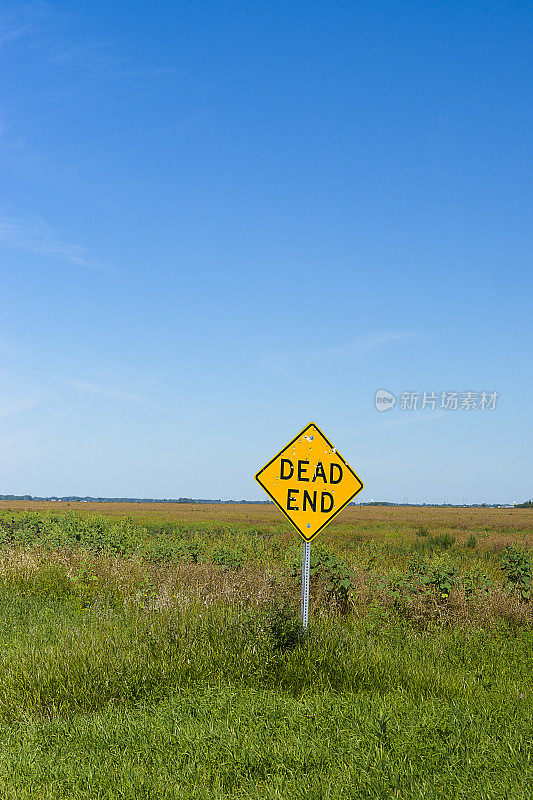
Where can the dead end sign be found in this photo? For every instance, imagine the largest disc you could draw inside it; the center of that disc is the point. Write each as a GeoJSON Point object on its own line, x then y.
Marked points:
{"type": "Point", "coordinates": [309, 481]}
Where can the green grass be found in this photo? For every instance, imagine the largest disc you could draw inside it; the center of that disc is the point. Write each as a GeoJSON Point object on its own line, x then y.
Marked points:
{"type": "Point", "coordinates": [119, 680]}
{"type": "Point", "coordinates": [232, 544]}
{"type": "Point", "coordinates": [198, 704]}
{"type": "Point", "coordinates": [221, 742]}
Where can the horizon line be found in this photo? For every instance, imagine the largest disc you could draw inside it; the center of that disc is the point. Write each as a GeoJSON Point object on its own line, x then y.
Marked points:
{"type": "Point", "coordinates": [207, 501]}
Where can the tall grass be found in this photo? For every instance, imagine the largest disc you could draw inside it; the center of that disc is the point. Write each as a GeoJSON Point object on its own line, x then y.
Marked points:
{"type": "Point", "coordinates": [198, 702]}
{"type": "Point", "coordinates": [59, 659]}
{"type": "Point", "coordinates": [141, 663]}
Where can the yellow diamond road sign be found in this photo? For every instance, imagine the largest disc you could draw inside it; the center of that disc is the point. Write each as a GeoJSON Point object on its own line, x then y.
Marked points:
{"type": "Point", "coordinates": [309, 481]}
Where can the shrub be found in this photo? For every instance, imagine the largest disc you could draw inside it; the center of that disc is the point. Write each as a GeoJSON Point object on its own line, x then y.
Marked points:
{"type": "Point", "coordinates": [190, 551]}
{"type": "Point", "coordinates": [433, 544]}
{"type": "Point", "coordinates": [403, 586]}
{"type": "Point", "coordinates": [399, 587]}
{"type": "Point", "coordinates": [159, 550]}
{"type": "Point", "coordinates": [471, 542]}
{"type": "Point", "coordinates": [285, 628]}
{"type": "Point", "coordinates": [334, 572]}
{"type": "Point", "coordinates": [340, 581]}
{"type": "Point", "coordinates": [230, 559]}
{"type": "Point", "coordinates": [442, 541]}
{"type": "Point", "coordinates": [516, 565]}
{"type": "Point", "coordinates": [417, 565]}
{"type": "Point", "coordinates": [474, 578]}
{"type": "Point", "coordinates": [442, 575]}
{"type": "Point", "coordinates": [422, 531]}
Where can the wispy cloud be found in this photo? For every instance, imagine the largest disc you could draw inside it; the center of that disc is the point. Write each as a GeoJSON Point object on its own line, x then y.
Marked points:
{"type": "Point", "coordinates": [54, 38]}
{"type": "Point", "coordinates": [20, 405]}
{"type": "Point", "coordinates": [38, 237]}
{"type": "Point", "coordinates": [95, 388]}
{"type": "Point", "coordinates": [48, 386]}
{"type": "Point", "coordinates": [276, 362]}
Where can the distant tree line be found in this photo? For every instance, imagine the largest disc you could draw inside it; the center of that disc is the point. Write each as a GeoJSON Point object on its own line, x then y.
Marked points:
{"type": "Point", "coordinates": [76, 499]}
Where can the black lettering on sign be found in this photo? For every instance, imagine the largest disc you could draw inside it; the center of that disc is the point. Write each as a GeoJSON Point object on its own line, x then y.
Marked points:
{"type": "Point", "coordinates": [333, 467]}
{"type": "Point", "coordinates": [302, 470]}
{"type": "Point", "coordinates": [319, 473]}
{"type": "Point", "coordinates": [291, 499]}
{"type": "Point", "coordinates": [282, 470]}
{"type": "Point", "coordinates": [323, 502]}
{"type": "Point", "coordinates": [309, 500]}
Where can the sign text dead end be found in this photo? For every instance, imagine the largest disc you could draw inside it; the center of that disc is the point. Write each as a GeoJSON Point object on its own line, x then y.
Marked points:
{"type": "Point", "coordinates": [309, 481]}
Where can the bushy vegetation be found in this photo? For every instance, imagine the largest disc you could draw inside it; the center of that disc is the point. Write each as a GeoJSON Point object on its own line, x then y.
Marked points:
{"type": "Point", "coordinates": [516, 564]}
{"type": "Point", "coordinates": [407, 575]}
{"type": "Point", "coordinates": [169, 661]}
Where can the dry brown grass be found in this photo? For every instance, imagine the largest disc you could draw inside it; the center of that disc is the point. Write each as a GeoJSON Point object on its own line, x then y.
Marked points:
{"type": "Point", "coordinates": [178, 586]}
{"type": "Point", "coordinates": [492, 526]}
{"type": "Point", "coordinates": [253, 584]}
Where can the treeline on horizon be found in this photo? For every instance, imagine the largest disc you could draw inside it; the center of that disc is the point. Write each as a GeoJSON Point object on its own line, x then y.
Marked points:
{"type": "Point", "coordinates": [77, 499]}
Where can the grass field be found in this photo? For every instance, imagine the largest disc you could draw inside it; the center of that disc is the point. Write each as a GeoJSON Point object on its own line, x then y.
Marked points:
{"type": "Point", "coordinates": [372, 520]}
{"type": "Point", "coordinates": [154, 651]}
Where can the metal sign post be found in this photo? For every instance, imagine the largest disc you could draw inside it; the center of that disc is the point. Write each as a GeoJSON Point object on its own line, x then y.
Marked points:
{"type": "Point", "coordinates": [306, 569]}
{"type": "Point", "coordinates": [311, 483]}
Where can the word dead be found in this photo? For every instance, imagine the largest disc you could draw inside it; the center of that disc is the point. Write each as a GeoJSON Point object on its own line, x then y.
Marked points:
{"type": "Point", "coordinates": [309, 500]}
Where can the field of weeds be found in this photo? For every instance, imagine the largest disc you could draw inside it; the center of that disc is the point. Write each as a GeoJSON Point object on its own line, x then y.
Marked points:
{"type": "Point", "coordinates": [501, 524]}
{"type": "Point", "coordinates": [157, 656]}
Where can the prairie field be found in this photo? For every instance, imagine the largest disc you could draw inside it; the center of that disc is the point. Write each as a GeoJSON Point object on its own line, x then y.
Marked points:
{"type": "Point", "coordinates": [155, 651]}
{"type": "Point", "coordinates": [382, 520]}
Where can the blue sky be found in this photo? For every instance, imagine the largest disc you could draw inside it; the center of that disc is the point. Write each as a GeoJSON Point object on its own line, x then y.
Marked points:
{"type": "Point", "coordinates": [219, 221]}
